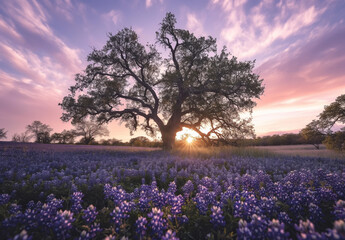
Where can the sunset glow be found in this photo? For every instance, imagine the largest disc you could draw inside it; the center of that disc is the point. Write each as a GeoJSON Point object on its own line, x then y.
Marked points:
{"type": "Point", "coordinates": [189, 140]}
{"type": "Point", "coordinates": [298, 46]}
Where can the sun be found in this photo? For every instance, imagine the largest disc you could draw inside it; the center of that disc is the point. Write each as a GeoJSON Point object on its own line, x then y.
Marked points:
{"type": "Point", "coordinates": [189, 140]}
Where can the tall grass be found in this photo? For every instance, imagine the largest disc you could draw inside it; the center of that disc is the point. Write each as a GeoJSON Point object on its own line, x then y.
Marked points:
{"type": "Point", "coordinates": [222, 152]}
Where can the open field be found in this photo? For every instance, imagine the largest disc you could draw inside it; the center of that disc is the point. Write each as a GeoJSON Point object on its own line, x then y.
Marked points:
{"type": "Point", "coordinates": [304, 151]}
{"type": "Point", "coordinates": [96, 192]}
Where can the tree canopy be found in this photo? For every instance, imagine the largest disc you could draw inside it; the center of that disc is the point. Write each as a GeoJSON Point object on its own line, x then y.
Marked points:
{"type": "Point", "coordinates": [40, 131]}
{"type": "Point", "coordinates": [189, 84]}
{"type": "Point", "coordinates": [333, 113]}
{"type": "Point", "coordinates": [89, 130]}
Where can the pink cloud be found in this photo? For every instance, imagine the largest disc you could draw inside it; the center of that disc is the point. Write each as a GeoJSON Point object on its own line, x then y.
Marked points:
{"type": "Point", "coordinates": [299, 82]}
{"type": "Point", "coordinates": [251, 32]}
{"type": "Point", "coordinates": [195, 25]}
{"type": "Point", "coordinates": [31, 17]}
{"type": "Point", "coordinates": [306, 71]}
{"type": "Point", "coordinates": [113, 16]}
{"type": "Point", "coordinates": [8, 29]}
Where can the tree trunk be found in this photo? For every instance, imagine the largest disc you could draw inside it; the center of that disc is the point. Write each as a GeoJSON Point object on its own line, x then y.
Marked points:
{"type": "Point", "coordinates": [168, 138]}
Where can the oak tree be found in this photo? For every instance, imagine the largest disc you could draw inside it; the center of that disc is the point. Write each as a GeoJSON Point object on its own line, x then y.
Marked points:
{"type": "Point", "coordinates": [188, 83]}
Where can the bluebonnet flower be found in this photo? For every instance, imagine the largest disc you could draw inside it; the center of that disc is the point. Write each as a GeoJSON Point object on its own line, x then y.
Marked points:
{"type": "Point", "coordinates": [284, 218]}
{"type": "Point", "coordinates": [339, 210]}
{"type": "Point", "coordinates": [14, 208]}
{"type": "Point", "coordinates": [4, 198]}
{"type": "Point", "coordinates": [187, 189]}
{"type": "Point", "coordinates": [141, 227]}
{"type": "Point", "coordinates": [157, 222]}
{"type": "Point", "coordinates": [90, 214]}
{"type": "Point", "coordinates": [339, 229]}
{"type": "Point", "coordinates": [307, 231]}
{"type": "Point", "coordinates": [121, 213]}
{"type": "Point", "coordinates": [267, 205]}
{"type": "Point", "coordinates": [23, 235]}
{"type": "Point", "coordinates": [170, 235]}
{"type": "Point", "coordinates": [172, 188]}
{"type": "Point", "coordinates": [315, 213]}
{"type": "Point", "coordinates": [258, 227]}
{"type": "Point", "coordinates": [30, 204]}
{"type": "Point", "coordinates": [276, 230]}
{"type": "Point", "coordinates": [62, 224]}
{"type": "Point", "coordinates": [243, 231]}
{"type": "Point", "coordinates": [116, 194]}
{"type": "Point", "coordinates": [143, 203]}
{"type": "Point", "coordinates": [204, 198]}
{"type": "Point", "coordinates": [91, 233]}
{"type": "Point", "coordinates": [217, 218]}
{"type": "Point", "coordinates": [176, 205]}
{"type": "Point", "coordinates": [76, 202]}
{"type": "Point", "coordinates": [246, 206]}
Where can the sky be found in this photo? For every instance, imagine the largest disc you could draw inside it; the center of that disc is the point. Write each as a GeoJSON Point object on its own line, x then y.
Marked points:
{"type": "Point", "coordinates": [299, 48]}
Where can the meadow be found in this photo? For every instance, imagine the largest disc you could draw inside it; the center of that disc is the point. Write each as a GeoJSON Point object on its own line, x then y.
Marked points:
{"type": "Point", "coordinates": [83, 192]}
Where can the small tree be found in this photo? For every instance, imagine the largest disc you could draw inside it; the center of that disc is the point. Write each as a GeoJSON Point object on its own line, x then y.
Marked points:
{"type": "Point", "coordinates": [312, 134]}
{"type": "Point", "coordinates": [40, 131]}
{"type": "Point", "coordinates": [23, 137]}
{"type": "Point", "coordinates": [89, 130]}
{"type": "Point", "coordinates": [2, 133]}
{"type": "Point", "coordinates": [195, 86]}
{"type": "Point", "coordinates": [65, 137]}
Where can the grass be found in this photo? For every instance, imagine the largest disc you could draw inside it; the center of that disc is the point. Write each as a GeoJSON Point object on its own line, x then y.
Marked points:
{"type": "Point", "coordinates": [260, 151]}
{"type": "Point", "coordinates": [303, 151]}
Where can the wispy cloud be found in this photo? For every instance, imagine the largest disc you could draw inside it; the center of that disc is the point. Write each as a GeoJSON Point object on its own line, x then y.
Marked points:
{"type": "Point", "coordinates": [195, 25]}
{"type": "Point", "coordinates": [149, 3]}
{"type": "Point", "coordinates": [113, 16]}
{"type": "Point", "coordinates": [251, 30]}
{"type": "Point", "coordinates": [37, 65]}
{"type": "Point", "coordinates": [299, 82]}
{"type": "Point", "coordinates": [9, 30]}
{"type": "Point", "coordinates": [306, 71]}
{"type": "Point", "coordinates": [31, 17]}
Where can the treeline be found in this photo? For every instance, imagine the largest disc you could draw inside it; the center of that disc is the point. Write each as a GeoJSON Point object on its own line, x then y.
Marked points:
{"type": "Point", "coordinates": [84, 132]}
{"type": "Point", "coordinates": [273, 140]}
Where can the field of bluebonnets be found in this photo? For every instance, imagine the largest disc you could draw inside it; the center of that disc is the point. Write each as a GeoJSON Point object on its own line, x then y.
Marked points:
{"type": "Point", "coordinates": [94, 194]}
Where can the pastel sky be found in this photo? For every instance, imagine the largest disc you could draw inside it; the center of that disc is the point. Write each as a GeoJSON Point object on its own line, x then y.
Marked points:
{"type": "Point", "coordinates": [299, 47]}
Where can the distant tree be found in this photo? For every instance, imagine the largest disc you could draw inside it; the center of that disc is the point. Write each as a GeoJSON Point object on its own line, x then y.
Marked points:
{"type": "Point", "coordinates": [23, 137]}
{"type": "Point", "coordinates": [65, 137]}
{"type": "Point", "coordinates": [2, 133]}
{"type": "Point", "coordinates": [195, 86]}
{"type": "Point", "coordinates": [89, 130]}
{"type": "Point", "coordinates": [140, 141]}
{"type": "Point", "coordinates": [40, 131]}
{"type": "Point", "coordinates": [112, 141]}
{"type": "Point", "coordinates": [313, 134]}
